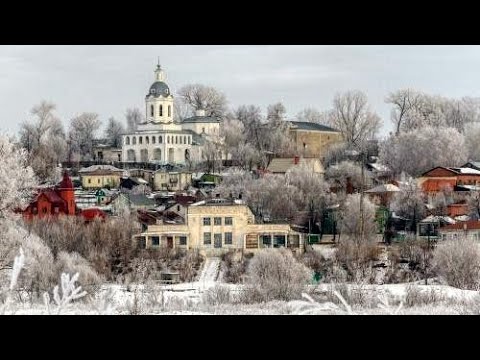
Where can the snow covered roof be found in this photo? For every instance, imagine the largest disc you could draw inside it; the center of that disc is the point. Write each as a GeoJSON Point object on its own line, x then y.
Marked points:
{"type": "Point", "coordinates": [384, 188]}
{"type": "Point", "coordinates": [95, 168]}
{"type": "Point", "coordinates": [435, 218]}
{"type": "Point", "coordinates": [466, 170]}
{"type": "Point", "coordinates": [379, 167]}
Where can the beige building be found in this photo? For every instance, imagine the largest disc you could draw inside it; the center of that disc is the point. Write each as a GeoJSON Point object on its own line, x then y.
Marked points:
{"type": "Point", "coordinates": [282, 165]}
{"type": "Point", "coordinates": [101, 176]}
{"type": "Point", "coordinates": [107, 153]}
{"type": "Point", "coordinates": [313, 140]}
{"type": "Point", "coordinates": [218, 225]}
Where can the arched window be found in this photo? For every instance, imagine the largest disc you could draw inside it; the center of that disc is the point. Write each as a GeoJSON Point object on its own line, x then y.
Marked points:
{"type": "Point", "coordinates": [134, 141]}
{"type": "Point", "coordinates": [131, 155]}
{"type": "Point", "coordinates": [147, 140]}
{"type": "Point", "coordinates": [189, 140]}
{"type": "Point", "coordinates": [180, 139]}
{"type": "Point", "coordinates": [157, 154]}
{"type": "Point", "coordinates": [176, 139]}
{"type": "Point", "coordinates": [140, 140]}
{"type": "Point", "coordinates": [154, 139]}
{"type": "Point", "coordinates": [168, 139]}
{"type": "Point", "coordinates": [169, 111]}
{"type": "Point", "coordinates": [160, 110]}
{"type": "Point", "coordinates": [184, 139]}
{"type": "Point", "coordinates": [152, 111]}
{"type": "Point", "coordinates": [160, 139]}
{"type": "Point", "coordinates": [187, 154]}
{"type": "Point", "coordinates": [127, 140]}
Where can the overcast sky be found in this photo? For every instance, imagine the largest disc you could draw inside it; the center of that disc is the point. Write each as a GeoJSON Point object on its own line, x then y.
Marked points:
{"type": "Point", "coordinates": [109, 79]}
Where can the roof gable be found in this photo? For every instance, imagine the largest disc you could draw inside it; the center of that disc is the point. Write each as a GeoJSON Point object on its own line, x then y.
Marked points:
{"type": "Point", "coordinates": [304, 125]}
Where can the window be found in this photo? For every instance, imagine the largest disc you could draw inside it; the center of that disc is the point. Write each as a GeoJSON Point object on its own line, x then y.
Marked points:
{"type": "Point", "coordinates": [189, 140]}
{"type": "Point", "coordinates": [89, 181]}
{"type": "Point", "coordinates": [266, 239]}
{"type": "Point", "coordinates": [217, 221]}
{"type": "Point", "coordinates": [217, 240]}
{"type": "Point", "coordinates": [169, 110]}
{"type": "Point", "coordinates": [176, 139]}
{"type": "Point", "coordinates": [147, 140]}
{"type": "Point", "coordinates": [206, 221]}
{"type": "Point", "coordinates": [228, 238]}
{"type": "Point", "coordinates": [180, 139]}
{"type": "Point", "coordinates": [134, 141]}
{"type": "Point", "coordinates": [56, 209]}
{"type": "Point", "coordinates": [228, 221]}
{"type": "Point", "coordinates": [98, 181]}
{"type": "Point", "coordinates": [155, 240]}
{"type": "Point", "coordinates": [203, 130]}
{"type": "Point", "coordinates": [154, 140]}
{"type": "Point", "coordinates": [160, 140]}
{"type": "Point", "coordinates": [160, 110]}
{"type": "Point", "coordinates": [140, 140]}
{"type": "Point", "coordinates": [168, 139]}
{"type": "Point", "coordinates": [279, 241]}
{"type": "Point", "coordinates": [184, 139]}
{"type": "Point", "coordinates": [152, 111]}
{"type": "Point", "coordinates": [178, 207]}
{"type": "Point", "coordinates": [183, 240]}
{"type": "Point", "coordinates": [44, 210]}
{"type": "Point", "coordinates": [127, 140]}
{"type": "Point", "coordinates": [207, 238]}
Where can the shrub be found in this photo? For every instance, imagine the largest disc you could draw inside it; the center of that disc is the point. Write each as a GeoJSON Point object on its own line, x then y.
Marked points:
{"type": "Point", "coordinates": [458, 263]}
{"type": "Point", "coordinates": [274, 274]}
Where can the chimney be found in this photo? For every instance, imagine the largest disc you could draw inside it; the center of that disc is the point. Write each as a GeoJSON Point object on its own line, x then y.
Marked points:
{"type": "Point", "coordinates": [200, 112]}
{"type": "Point", "coordinates": [296, 159]}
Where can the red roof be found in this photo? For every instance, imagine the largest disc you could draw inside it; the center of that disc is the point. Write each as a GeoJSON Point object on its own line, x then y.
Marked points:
{"type": "Point", "coordinates": [52, 197]}
{"type": "Point", "coordinates": [471, 225]}
{"type": "Point", "coordinates": [91, 214]}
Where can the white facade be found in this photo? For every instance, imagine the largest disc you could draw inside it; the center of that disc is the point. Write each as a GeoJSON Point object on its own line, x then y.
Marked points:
{"type": "Point", "coordinates": [159, 139]}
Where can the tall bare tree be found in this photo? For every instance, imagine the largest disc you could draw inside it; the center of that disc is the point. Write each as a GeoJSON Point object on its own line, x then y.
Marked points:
{"type": "Point", "coordinates": [114, 131]}
{"type": "Point", "coordinates": [133, 116]}
{"type": "Point", "coordinates": [353, 117]}
{"type": "Point", "coordinates": [82, 133]}
{"type": "Point", "coordinates": [201, 97]}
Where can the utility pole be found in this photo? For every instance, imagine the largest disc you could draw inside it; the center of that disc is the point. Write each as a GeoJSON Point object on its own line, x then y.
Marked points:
{"type": "Point", "coordinates": [362, 220]}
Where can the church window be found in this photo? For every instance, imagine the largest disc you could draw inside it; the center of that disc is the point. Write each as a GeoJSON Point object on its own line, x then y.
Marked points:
{"type": "Point", "coordinates": [127, 140]}
{"type": "Point", "coordinates": [147, 140]}
{"type": "Point", "coordinates": [160, 139]}
{"type": "Point", "coordinates": [203, 130]}
{"type": "Point", "coordinates": [152, 111]}
{"type": "Point", "coordinates": [140, 140]}
{"type": "Point", "coordinates": [161, 110]}
{"type": "Point", "coordinates": [184, 139]}
{"type": "Point", "coordinates": [180, 139]}
{"type": "Point", "coordinates": [168, 139]}
{"type": "Point", "coordinates": [134, 141]}
{"type": "Point", "coordinates": [176, 139]}
{"type": "Point", "coordinates": [189, 140]}
{"type": "Point", "coordinates": [154, 139]}
{"type": "Point", "coordinates": [169, 111]}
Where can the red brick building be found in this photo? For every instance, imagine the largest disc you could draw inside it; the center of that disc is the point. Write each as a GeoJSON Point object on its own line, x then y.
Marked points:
{"type": "Point", "coordinates": [441, 178]}
{"type": "Point", "coordinates": [59, 200]}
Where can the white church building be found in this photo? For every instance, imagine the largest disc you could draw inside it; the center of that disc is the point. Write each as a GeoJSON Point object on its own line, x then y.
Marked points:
{"type": "Point", "coordinates": [159, 139]}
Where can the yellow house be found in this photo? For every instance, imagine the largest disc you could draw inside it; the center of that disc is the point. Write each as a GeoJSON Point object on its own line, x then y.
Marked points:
{"type": "Point", "coordinates": [313, 140]}
{"type": "Point", "coordinates": [282, 165]}
{"type": "Point", "coordinates": [101, 176]}
{"type": "Point", "coordinates": [217, 225]}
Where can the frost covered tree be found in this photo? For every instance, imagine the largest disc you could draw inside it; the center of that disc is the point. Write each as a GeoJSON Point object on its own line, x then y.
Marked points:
{"type": "Point", "coordinates": [201, 97]}
{"type": "Point", "coordinates": [403, 102]}
{"type": "Point", "coordinates": [274, 274]}
{"type": "Point", "coordinates": [418, 151]}
{"type": "Point", "coordinates": [82, 133]}
{"type": "Point", "coordinates": [17, 179]}
{"type": "Point", "coordinates": [409, 203]}
{"type": "Point", "coordinates": [133, 117]}
{"type": "Point", "coordinates": [458, 263]}
{"type": "Point", "coordinates": [45, 141]}
{"type": "Point", "coordinates": [351, 220]}
{"type": "Point", "coordinates": [314, 116]}
{"type": "Point", "coordinates": [346, 173]}
{"type": "Point", "coordinates": [114, 131]}
{"type": "Point", "coordinates": [352, 116]}
{"type": "Point", "coordinates": [472, 134]}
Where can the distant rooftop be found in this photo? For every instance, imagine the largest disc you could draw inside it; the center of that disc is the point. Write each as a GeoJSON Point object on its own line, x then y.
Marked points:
{"type": "Point", "coordinates": [303, 125]}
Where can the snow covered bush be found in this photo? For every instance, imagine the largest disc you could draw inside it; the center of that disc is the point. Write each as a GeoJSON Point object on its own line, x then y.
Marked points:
{"type": "Point", "coordinates": [351, 218]}
{"type": "Point", "coordinates": [458, 263]}
{"type": "Point", "coordinates": [73, 263]}
{"type": "Point", "coordinates": [274, 274]}
{"type": "Point", "coordinates": [218, 295]}
{"type": "Point", "coordinates": [357, 259]}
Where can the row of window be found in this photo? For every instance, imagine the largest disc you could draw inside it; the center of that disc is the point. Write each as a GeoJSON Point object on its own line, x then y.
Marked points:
{"type": "Point", "coordinates": [160, 110]}
{"type": "Point", "coordinates": [172, 139]}
{"type": "Point", "coordinates": [157, 155]}
{"type": "Point", "coordinates": [217, 221]}
{"type": "Point", "coordinates": [109, 181]}
{"type": "Point", "coordinates": [182, 240]}
{"type": "Point", "coordinates": [217, 239]}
